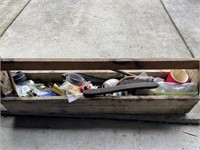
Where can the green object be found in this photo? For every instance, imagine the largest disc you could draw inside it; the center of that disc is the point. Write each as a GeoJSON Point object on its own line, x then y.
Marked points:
{"type": "Point", "coordinates": [176, 93]}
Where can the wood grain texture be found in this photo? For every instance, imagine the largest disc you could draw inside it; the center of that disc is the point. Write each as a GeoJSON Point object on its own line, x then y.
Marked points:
{"type": "Point", "coordinates": [192, 118]}
{"type": "Point", "coordinates": [108, 105]}
{"type": "Point", "coordinates": [98, 64]}
{"type": "Point", "coordinates": [49, 76]}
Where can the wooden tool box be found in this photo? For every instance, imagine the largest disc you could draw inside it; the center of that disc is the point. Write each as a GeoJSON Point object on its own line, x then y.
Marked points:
{"type": "Point", "coordinates": [59, 106]}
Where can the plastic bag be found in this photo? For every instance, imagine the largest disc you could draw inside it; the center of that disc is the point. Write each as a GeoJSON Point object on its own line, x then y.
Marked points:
{"type": "Point", "coordinates": [74, 92]}
{"type": "Point", "coordinates": [169, 88]}
{"type": "Point", "coordinates": [144, 76]}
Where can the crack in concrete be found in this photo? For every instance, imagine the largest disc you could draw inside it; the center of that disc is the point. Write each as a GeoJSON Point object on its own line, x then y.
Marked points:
{"type": "Point", "coordinates": [191, 53]}
{"type": "Point", "coordinates": [14, 18]}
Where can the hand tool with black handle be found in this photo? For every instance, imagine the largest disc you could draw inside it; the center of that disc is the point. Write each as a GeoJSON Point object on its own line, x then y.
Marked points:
{"type": "Point", "coordinates": [119, 88]}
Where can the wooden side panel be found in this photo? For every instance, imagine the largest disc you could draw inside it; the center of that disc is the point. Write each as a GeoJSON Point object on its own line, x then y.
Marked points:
{"type": "Point", "coordinates": [112, 105]}
{"type": "Point", "coordinates": [194, 75]}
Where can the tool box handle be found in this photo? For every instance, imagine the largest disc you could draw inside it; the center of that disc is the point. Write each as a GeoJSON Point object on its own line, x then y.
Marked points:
{"type": "Point", "coordinates": [97, 64]}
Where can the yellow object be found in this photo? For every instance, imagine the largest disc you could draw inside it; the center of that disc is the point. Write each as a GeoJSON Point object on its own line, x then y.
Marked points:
{"type": "Point", "coordinates": [42, 87]}
{"type": "Point", "coordinates": [56, 89]}
{"type": "Point", "coordinates": [73, 89]}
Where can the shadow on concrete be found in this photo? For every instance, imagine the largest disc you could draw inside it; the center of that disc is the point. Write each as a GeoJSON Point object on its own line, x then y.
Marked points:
{"type": "Point", "coordinates": [81, 123]}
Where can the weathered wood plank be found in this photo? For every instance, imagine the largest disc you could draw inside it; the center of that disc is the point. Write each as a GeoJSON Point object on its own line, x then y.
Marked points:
{"type": "Point", "coordinates": [191, 118]}
{"type": "Point", "coordinates": [49, 76]}
{"type": "Point", "coordinates": [98, 64]}
{"type": "Point", "coordinates": [108, 105]}
{"type": "Point", "coordinates": [122, 98]}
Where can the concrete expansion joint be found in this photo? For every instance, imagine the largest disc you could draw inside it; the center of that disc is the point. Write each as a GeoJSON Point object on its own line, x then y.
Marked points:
{"type": "Point", "coordinates": [15, 18]}
{"type": "Point", "coordinates": [191, 53]}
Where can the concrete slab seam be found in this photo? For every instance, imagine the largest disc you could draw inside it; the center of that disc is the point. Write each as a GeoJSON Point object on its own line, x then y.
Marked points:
{"type": "Point", "coordinates": [177, 29]}
{"type": "Point", "coordinates": [14, 18]}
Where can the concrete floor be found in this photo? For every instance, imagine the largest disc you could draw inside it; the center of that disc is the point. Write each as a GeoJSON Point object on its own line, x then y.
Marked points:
{"type": "Point", "coordinates": [186, 16]}
{"type": "Point", "coordinates": [75, 134]}
{"type": "Point", "coordinates": [86, 28]}
{"type": "Point", "coordinates": [98, 29]}
{"type": "Point", "coordinates": [9, 10]}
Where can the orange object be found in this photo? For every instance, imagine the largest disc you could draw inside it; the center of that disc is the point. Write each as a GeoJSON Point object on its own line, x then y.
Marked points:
{"type": "Point", "coordinates": [85, 86]}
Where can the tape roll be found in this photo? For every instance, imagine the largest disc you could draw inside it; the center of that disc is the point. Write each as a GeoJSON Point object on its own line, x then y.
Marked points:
{"type": "Point", "coordinates": [75, 79]}
{"type": "Point", "coordinates": [19, 77]}
{"type": "Point", "coordinates": [111, 83]}
{"type": "Point", "coordinates": [56, 89]}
